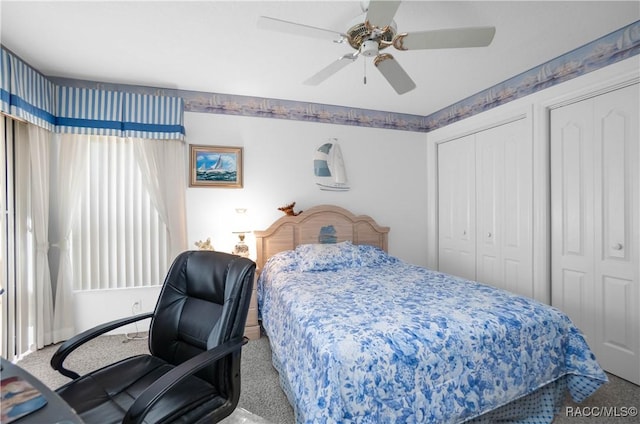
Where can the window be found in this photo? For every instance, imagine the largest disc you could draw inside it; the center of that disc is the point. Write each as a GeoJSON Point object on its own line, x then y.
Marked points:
{"type": "Point", "coordinates": [118, 239]}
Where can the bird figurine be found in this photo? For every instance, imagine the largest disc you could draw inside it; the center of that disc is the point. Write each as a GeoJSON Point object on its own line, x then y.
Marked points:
{"type": "Point", "coordinates": [288, 209]}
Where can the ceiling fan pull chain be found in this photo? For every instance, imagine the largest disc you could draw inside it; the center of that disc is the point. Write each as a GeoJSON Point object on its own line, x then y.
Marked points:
{"type": "Point", "coordinates": [365, 72]}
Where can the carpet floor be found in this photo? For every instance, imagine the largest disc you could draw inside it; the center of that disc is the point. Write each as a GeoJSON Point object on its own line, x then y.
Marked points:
{"type": "Point", "coordinates": [262, 396]}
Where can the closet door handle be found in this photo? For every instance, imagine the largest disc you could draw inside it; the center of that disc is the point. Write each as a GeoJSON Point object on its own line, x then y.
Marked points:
{"type": "Point", "coordinates": [489, 235]}
{"type": "Point", "coordinates": [617, 246]}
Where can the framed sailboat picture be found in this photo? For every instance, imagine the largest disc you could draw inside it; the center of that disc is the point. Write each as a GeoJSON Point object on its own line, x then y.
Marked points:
{"type": "Point", "coordinates": [215, 166]}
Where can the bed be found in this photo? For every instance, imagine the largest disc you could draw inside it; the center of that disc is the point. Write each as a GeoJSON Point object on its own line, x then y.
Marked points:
{"type": "Point", "coordinates": [359, 336]}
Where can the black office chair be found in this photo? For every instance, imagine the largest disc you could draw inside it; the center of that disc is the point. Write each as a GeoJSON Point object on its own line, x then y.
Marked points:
{"type": "Point", "coordinates": [195, 340]}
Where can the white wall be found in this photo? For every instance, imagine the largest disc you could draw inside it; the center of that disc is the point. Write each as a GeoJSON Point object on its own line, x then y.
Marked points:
{"type": "Point", "coordinates": [97, 307]}
{"type": "Point", "coordinates": [386, 170]}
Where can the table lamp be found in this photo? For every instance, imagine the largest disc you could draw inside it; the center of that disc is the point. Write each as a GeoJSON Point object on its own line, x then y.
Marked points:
{"type": "Point", "coordinates": [241, 227]}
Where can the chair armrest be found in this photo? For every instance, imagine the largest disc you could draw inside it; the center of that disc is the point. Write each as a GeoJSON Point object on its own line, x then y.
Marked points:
{"type": "Point", "coordinates": [79, 339]}
{"type": "Point", "coordinates": [155, 391]}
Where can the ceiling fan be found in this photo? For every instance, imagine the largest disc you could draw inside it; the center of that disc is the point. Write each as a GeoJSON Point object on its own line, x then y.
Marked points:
{"type": "Point", "coordinates": [375, 30]}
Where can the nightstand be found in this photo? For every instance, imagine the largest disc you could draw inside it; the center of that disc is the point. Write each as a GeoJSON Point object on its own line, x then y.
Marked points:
{"type": "Point", "coordinates": [252, 327]}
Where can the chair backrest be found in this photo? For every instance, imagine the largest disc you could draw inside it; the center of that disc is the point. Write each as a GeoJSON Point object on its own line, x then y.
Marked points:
{"type": "Point", "coordinates": [203, 303]}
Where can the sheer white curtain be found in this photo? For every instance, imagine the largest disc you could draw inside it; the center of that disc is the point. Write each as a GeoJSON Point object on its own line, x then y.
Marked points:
{"type": "Point", "coordinates": [72, 160]}
{"type": "Point", "coordinates": [40, 157]}
{"type": "Point", "coordinates": [162, 165]}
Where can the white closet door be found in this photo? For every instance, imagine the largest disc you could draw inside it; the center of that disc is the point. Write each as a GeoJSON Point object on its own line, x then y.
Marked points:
{"type": "Point", "coordinates": [504, 190]}
{"type": "Point", "coordinates": [572, 214]}
{"type": "Point", "coordinates": [489, 207]}
{"type": "Point", "coordinates": [596, 224]}
{"type": "Point", "coordinates": [456, 208]}
{"type": "Point", "coordinates": [616, 185]}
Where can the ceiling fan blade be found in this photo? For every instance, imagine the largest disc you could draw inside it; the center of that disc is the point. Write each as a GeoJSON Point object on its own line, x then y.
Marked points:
{"type": "Point", "coordinates": [380, 13]}
{"type": "Point", "coordinates": [279, 25]}
{"type": "Point", "coordinates": [333, 67]}
{"type": "Point", "coordinates": [393, 72]}
{"type": "Point", "coordinates": [445, 38]}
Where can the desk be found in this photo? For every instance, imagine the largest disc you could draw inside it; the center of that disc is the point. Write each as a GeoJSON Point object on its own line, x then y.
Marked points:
{"type": "Point", "coordinates": [56, 411]}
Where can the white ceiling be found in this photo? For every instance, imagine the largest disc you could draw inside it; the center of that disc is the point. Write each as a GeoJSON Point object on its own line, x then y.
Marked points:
{"type": "Point", "coordinates": [214, 46]}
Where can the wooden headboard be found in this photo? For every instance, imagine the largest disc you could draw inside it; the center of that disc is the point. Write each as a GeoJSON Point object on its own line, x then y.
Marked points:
{"type": "Point", "coordinates": [333, 222]}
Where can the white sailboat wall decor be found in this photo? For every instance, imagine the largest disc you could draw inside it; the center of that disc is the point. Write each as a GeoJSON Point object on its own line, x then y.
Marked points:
{"type": "Point", "coordinates": [328, 167]}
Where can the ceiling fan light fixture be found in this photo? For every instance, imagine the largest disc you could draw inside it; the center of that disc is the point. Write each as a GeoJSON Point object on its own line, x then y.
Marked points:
{"type": "Point", "coordinates": [369, 48]}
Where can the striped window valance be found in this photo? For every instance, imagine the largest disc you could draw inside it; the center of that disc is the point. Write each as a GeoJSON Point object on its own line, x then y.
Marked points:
{"type": "Point", "coordinates": [5, 81]}
{"type": "Point", "coordinates": [157, 117]}
{"type": "Point", "coordinates": [88, 111]}
{"type": "Point", "coordinates": [26, 93]}
{"type": "Point", "coordinates": [29, 95]}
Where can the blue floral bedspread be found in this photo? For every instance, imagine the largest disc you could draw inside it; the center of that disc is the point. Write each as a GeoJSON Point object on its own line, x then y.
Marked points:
{"type": "Point", "coordinates": [359, 336]}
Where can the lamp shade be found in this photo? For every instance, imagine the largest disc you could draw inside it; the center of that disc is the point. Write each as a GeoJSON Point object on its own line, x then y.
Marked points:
{"type": "Point", "coordinates": [241, 222]}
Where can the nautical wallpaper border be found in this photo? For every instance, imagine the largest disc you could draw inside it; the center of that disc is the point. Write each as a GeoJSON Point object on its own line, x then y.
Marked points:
{"type": "Point", "coordinates": [614, 47]}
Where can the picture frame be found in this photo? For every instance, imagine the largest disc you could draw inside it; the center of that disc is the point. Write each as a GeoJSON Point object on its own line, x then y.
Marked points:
{"type": "Point", "coordinates": [215, 166]}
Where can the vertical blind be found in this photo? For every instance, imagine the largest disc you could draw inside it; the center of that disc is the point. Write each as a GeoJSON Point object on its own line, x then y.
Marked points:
{"type": "Point", "coordinates": [118, 239]}
{"type": "Point", "coordinates": [17, 305]}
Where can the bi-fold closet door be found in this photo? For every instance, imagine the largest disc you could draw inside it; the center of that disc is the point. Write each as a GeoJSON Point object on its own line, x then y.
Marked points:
{"type": "Point", "coordinates": [485, 194]}
{"type": "Point", "coordinates": [595, 195]}
{"type": "Point", "coordinates": [457, 207]}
